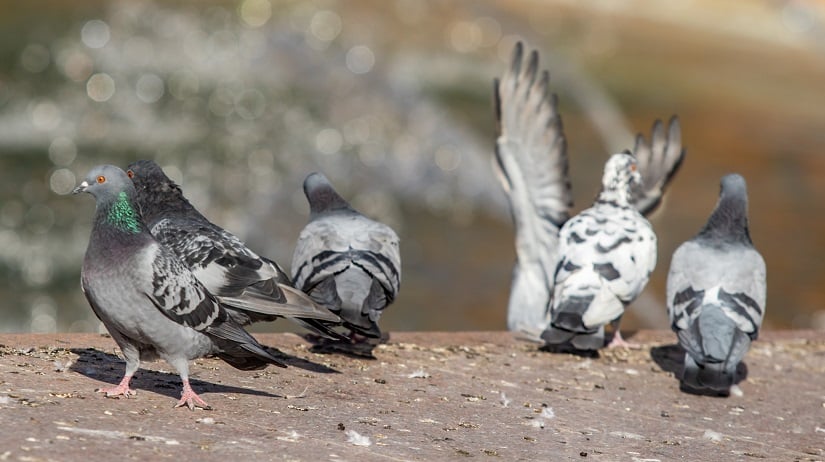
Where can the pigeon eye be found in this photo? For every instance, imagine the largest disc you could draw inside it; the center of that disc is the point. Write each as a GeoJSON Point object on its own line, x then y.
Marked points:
{"type": "Point", "coordinates": [130, 173]}
{"type": "Point", "coordinates": [101, 179]}
{"type": "Point", "coordinates": [633, 167]}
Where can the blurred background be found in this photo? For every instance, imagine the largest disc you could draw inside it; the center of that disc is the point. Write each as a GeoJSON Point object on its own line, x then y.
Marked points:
{"type": "Point", "coordinates": [238, 101]}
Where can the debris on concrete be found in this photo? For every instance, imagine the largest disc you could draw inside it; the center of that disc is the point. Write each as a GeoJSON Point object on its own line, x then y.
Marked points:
{"type": "Point", "coordinates": [485, 395]}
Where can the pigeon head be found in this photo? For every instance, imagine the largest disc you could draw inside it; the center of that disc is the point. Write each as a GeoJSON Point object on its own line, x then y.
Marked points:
{"type": "Point", "coordinates": [156, 192]}
{"type": "Point", "coordinates": [114, 195]}
{"type": "Point", "coordinates": [621, 176]}
{"type": "Point", "coordinates": [321, 196]}
{"type": "Point", "coordinates": [105, 181]}
{"type": "Point", "coordinates": [147, 175]}
{"type": "Point", "coordinates": [729, 220]}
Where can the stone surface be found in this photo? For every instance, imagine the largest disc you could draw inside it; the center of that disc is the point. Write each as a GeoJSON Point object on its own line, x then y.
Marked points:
{"type": "Point", "coordinates": [426, 396]}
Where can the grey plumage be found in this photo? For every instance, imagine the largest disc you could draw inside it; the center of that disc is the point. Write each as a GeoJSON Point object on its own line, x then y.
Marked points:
{"type": "Point", "coordinates": [148, 300]}
{"type": "Point", "coordinates": [532, 165]}
{"type": "Point", "coordinates": [252, 288]}
{"type": "Point", "coordinates": [716, 292]}
{"type": "Point", "coordinates": [346, 261]}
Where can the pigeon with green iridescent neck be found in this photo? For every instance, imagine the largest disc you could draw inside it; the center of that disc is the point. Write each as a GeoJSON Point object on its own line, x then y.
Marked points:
{"type": "Point", "coordinates": [148, 300]}
{"type": "Point", "coordinates": [252, 288]}
{"type": "Point", "coordinates": [346, 261]}
{"type": "Point", "coordinates": [716, 292]}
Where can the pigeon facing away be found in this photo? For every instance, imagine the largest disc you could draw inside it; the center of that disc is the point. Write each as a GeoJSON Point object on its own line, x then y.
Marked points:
{"type": "Point", "coordinates": [606, 255]}
{"type": "Point", "coordinates": [716, 292]}
{"type": "Point", "coordinates": [532, 166]}
{"type": "Point", "coordinates": [148, 300]}
{"type": "Point", "coordinates": [346, 261]}
{"type": "Point", "coordinates": [252, 288]}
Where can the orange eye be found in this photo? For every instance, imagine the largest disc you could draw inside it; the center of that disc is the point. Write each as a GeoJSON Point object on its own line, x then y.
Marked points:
{"type": "Point", "coordinates": [130, 173]}
{"type": "Point", "coordinates": [632, 167]}
{"type": "Point", "coordinates": [101, 179]}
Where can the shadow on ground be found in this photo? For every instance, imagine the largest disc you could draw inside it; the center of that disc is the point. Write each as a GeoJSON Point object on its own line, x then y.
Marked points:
{"type": "Point", "coordinates": [671, 358]}
{"type": "Point", "coordinates": [109, 368]}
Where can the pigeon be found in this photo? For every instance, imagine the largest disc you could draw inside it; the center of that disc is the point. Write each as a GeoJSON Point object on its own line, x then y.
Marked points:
{"type": "Point", "coordinates": [532, 166]}
{"type": "Point", "coordinates": [606, 256]}
{"type": "Point", "coordinates": [716, 290]}
{"type": "Point", "coordinates": [252, 288]}
{"type": "Point", "coordinates": [346, 261]}
{"type": "Point", "coordinates": [149, 301]}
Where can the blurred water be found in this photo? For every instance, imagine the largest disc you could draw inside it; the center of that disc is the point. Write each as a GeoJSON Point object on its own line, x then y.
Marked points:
{"type": "Point", "coordinates": [392, 100]}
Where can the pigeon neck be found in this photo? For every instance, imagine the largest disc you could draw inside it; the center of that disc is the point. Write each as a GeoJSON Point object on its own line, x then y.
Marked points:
{"type": "Point", "coordinates": [121, 214]}
{"type": "Point", "coordinates": [728, 222]}
{"type": "Point", "coordinates": [618, 195]}
{"type": "Point", "coordinates": [167, 199]}
{"type": "Point", "coordinates": [326, 200]}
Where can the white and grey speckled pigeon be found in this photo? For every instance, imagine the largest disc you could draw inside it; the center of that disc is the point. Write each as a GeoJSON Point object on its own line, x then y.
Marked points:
{"type": "Point", "coordinates": [532, 164]}
{"type": "Point", "coordinates": [252, 288]}
{"type": "Point", "coordinates": [346, 261]}
{"type": "Point", "coordinates": [716, 292]}
{"type": "Point", "coordinates": [606, 255]}
{"type": "Point", "coordinates": [148, 300]}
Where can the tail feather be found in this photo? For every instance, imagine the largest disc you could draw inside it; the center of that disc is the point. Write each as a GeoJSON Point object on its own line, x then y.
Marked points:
{"type": "Point", "coordinates": [240, 349]}
{"type": "Point", "coordinates": [568, 325]}
{"type": "Point", "coordinates": [715, 346]}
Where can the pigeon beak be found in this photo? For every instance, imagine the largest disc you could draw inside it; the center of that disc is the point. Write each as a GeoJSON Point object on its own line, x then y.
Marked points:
{"type": "Point", "coordinates": [81, 188]}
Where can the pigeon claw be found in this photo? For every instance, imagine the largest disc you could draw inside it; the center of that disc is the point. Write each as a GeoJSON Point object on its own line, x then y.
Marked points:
{"type": "Point", "coordinates": [190, 399]}
{"type": "Point", "coordinates": [117, 392]}
{"type": "Point", "coordinates": [619, 342]}
{"type": "Point", "coordinates": [122, 389]}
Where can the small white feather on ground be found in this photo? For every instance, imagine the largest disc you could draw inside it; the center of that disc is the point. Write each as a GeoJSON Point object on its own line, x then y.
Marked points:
{"type": "Point", "coordinates": [358, 439]}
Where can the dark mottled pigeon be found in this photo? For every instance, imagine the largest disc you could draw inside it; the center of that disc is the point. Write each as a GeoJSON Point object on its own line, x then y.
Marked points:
{"type": "Point", "coordinates": [148, 300]}
{"type": "Point", "coordinates": [532, 165]}
{"type": "Point", "coordinates": [606, 255]}
{"type": "Point", "coordinates": [346, 261]}
{"type": "Point", "coordinates": [716, 291]}
{"type": "Point", "coordinates": [252, 288]}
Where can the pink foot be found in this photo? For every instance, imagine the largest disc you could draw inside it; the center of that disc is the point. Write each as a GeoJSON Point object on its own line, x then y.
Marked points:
{"type": "Point", "coordinates": [122, 389]}
{"type": "Point", "coordinates": [619, 342]}
{"type": "Point", "coordinates": [190, 399]}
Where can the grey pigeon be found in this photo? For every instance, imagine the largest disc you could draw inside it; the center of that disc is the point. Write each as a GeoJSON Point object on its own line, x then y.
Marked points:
{"type": "Point", "coordinates": [606, 255]}
{"type": "Point", "coordinates": [716, 291]}
{"type": "Point", "coordinates": [148, 300]}
{"type": "Point", "coordinates": [532, 166]}
{"type": "Point", "coordinates": [252, 288]}
{"type": "Point", "coordinates": [346, 261]}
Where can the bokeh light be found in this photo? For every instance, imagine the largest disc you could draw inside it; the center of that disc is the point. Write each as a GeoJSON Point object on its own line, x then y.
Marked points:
{"type": "Point", "coordinates": [95, 34]}
{"type": "Point", "coordinates": [360, 59]}
{"type": "Point", "coordinates": [100, 87]}
{"type": "Point", "coordinates": [255, 13]}
{"type": "Point", "coordinates": [149, 88]}
{"type": "Point", "coordinates": [62, 181]}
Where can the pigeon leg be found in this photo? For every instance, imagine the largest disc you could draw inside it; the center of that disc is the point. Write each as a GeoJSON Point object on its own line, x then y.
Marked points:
{"type": "Point", "coordinates": [122, 389]}
{"type": "Point", "coordinates": [619, 342]}
{"type": "Point", "coordinates": [190, 399]}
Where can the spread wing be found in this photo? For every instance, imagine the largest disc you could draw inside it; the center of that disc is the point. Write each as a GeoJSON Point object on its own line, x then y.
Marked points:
{"type": "Point", "coordinates": [531, 154]}
{"type": "Point", "coordinates": [531, 164]}
{"type": "Point", "coordinates": [658, 161]}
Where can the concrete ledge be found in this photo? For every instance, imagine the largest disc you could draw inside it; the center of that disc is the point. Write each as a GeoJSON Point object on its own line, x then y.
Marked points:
{"type": "Point", "coordinates": [427, 396]}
